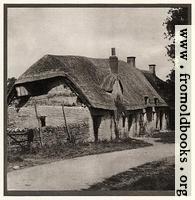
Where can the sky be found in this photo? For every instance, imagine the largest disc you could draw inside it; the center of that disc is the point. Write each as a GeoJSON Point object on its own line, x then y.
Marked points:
{"type": "Point", "coordinates": [90, 32]}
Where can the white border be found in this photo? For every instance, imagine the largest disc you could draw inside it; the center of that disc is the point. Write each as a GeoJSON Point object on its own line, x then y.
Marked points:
{"type": "Point", "coordinates": [186, 172]}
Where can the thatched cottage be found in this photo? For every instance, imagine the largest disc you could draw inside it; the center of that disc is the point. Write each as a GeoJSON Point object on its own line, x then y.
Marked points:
{"type": "Point", "coordinates": [121, 102]}
{"type": "Point", "coordinates": [165, 90]}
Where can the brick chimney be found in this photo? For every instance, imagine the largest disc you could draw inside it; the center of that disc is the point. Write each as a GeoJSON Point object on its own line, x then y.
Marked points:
{"type": "Point", "coordinates": [113, 60]}
{"type": "Point", "coordinates": [131, 60]}
{"type": "Point", "coordinates": [152, 68]}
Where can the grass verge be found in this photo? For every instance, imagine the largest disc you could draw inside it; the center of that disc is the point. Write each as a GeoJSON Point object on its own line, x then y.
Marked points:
{"type": "Point", "coordinates": [164, 137]}
{"type": "Point", "coordinates": [157, 175]}
{"type": "Point", "coordinates": [60, 151]}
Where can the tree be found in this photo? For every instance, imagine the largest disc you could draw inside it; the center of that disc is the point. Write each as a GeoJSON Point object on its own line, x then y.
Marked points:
{"type": "Point", "coordinates": [10, 83]}
{"type": "Point", "coordinates": [176, 16]}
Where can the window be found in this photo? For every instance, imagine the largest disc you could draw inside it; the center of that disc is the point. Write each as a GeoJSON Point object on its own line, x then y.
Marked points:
{"type": "Point", "coordinates": [146, 99]}
{"type": "Point", "coordinates": [156, 100]}
{"type": "Point", "coordinates": [42, 120]}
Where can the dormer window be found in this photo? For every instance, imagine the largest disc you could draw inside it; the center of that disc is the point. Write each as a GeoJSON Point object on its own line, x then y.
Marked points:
{"type": "Point", "coordinates": [156, 100]}
{"type": "Point", "coordinates": [146, 99]}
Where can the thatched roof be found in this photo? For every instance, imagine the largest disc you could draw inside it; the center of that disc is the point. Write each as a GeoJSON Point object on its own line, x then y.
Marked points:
{"type": "Point", "coordinates": [162, 87]}
{"type": "Point", "coordinates": [92, 78]}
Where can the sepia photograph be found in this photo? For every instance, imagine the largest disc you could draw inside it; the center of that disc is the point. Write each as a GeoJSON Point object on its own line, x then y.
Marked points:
{"type": "Point", "coordinates": [90, 99]}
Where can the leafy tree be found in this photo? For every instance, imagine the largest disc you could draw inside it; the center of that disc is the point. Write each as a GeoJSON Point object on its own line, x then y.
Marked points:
{"type": "Point", "coordinates": [176, 16]}
{"type": "Point", "coordinates": [171, 77]}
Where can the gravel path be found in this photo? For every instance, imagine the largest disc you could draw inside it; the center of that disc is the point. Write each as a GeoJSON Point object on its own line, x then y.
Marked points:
{"type": "Point", "coordinates": [79, 173]}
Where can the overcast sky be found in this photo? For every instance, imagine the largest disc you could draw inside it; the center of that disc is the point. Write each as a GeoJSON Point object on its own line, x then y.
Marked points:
{"type": "Point", "coordinates": [91, 32]}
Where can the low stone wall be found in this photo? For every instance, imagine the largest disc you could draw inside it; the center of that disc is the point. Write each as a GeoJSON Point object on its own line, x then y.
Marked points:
{"type": "Point", "coordinates": [50, 135]}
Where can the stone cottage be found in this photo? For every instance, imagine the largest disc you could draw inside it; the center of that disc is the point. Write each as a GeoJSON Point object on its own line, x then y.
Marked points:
{"type": "Point", "coordinates": [118, 98]}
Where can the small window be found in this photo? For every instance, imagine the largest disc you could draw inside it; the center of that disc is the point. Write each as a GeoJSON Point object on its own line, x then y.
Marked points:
{"type": "Point", "coordinates": [156, 100]}
{"type": "Point", "coordinates": [42, 120]}
{"type": "Point", "coordinates": [146, 99]}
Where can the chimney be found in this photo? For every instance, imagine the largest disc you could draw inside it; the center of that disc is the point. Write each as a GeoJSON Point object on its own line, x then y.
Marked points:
{"type": "Point", "coordinates": [152, 68]}
{"type": "Point", "coordinates": [113, 52]}
{"type": "Point", "coordinates": [113, 60]}
{"type": "Point", "coordinates": [131, 60]}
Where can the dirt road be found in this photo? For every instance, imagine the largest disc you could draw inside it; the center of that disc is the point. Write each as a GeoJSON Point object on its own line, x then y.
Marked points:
{"type": "Point", "coordinates": [79, 173]}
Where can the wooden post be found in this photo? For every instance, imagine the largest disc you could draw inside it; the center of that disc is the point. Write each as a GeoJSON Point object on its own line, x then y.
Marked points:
{"type": "Point", "coordinates": [40, 133]}
{"type": "Point", "coordinates": [65, 124]}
